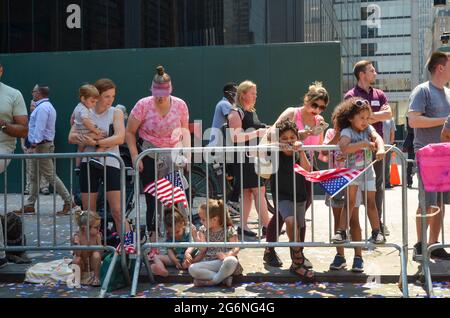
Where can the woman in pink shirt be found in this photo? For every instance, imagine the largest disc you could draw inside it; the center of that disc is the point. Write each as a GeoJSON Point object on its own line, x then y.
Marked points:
{"type": "Point", "coordinates": [310, 131]}
{"type": "Point", "coordinates": [162, 121]}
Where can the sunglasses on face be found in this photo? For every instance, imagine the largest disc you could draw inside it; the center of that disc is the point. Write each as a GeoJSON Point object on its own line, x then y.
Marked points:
{"type": "Point", "coordinates": [321, 107]}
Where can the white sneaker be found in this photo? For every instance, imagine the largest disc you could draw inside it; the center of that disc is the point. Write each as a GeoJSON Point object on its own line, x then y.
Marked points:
{"type": "Point", "coordinates": [377, 238]}
{"type": "Point", "coordinates": [339, 237]}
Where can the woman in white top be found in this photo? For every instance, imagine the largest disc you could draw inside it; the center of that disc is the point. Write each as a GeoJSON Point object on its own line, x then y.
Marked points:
{"type": "Point", "coordinates": [104, 116]}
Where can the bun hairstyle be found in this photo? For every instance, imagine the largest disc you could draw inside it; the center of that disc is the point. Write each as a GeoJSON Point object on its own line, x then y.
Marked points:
{"type": "Point", "coordinates": [160, 71]}
{"type": "Point", "coordinates": [217, 209]}
{"type": "Point", "coordinates": [162, 83]}
{"type": "Point", "coordinates": [82, 217]}
{"type": "Point", "coordinates": [316, 91]}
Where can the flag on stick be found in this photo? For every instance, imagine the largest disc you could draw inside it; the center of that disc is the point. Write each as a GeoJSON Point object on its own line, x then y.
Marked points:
{"type": "Point", "coordinates": [167, 188]}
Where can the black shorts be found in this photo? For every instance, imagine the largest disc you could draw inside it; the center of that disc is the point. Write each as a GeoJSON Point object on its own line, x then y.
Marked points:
{"type": "Point", "coordinates": [96, 178]}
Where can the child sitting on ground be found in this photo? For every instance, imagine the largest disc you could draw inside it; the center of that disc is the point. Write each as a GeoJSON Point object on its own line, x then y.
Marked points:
{"type": "Point", "coordinates": [179, 257]}
{"type": "Point", "coordinates": [88, 234]}
{"type": "Point", "coordinates": [357, 135]}
{"type": "Point", "coordinates": [215, 264]}
{"type": "Point", "coordinates": [84, 124]}
{"type": "Point", "coordinates": [288, 157]}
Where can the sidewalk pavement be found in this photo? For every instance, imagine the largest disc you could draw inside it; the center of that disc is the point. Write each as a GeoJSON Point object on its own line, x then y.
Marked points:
{"type": "Point", "coordinates": [382, 265]}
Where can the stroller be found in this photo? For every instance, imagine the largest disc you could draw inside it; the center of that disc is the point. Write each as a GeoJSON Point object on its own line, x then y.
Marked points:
{"type": "Point", "coordinates": [112, 235]}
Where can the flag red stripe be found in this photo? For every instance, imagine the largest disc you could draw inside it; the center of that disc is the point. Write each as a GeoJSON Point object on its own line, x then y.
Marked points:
{"type": "Point", "coordinates": [166, 192]}
{"type": "Point", "coordinates": [324, 175]}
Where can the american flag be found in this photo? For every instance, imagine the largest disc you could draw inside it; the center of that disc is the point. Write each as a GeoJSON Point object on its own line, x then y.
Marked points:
{"type": "Point", "coordinates": [332, 181]}
{"type": "Point", "coordinates": [168, 187]}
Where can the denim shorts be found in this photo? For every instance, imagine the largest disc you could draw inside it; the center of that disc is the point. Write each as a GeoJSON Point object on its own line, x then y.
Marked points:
{"type": "Point", "coordinates": [286, 209]}
{"type": "Point", "coordinates": [340, 200]}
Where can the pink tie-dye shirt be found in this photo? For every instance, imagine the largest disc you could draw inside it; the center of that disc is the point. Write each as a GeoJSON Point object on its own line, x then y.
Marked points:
{"type": "Point", "coordinates": [161, 131]}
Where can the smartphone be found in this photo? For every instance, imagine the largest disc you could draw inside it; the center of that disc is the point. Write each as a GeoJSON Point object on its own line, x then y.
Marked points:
{"type": "Point", "coordinates": [317, 130]}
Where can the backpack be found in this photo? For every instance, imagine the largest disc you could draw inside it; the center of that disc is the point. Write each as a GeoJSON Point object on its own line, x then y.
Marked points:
{"type": "Point", "coordinates": [13, 228]}
{"type": "Point", "coordinates": [433, 161]}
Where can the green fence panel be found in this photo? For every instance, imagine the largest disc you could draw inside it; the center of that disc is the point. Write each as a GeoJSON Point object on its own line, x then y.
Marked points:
{"type": "Point", "coordinates": [282, 72]}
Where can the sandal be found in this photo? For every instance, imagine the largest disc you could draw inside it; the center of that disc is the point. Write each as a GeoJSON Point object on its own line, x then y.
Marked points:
{"type": "Point", "coordinates": [298, 264]}
{"type": "Point", "coordinates": [93, 281]}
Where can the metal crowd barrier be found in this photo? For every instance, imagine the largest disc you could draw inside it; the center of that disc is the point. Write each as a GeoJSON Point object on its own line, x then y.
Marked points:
{"type": "Point", "coordinates": [244, 151]}
{"type": "Point", "coordinates": [54, 246]}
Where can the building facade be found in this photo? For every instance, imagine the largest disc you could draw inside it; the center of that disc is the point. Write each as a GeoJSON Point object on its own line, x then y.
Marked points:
{"type": "Point", "coordinates": [395, 34]}
{"type": "Point", "coordinates": [381, 31]}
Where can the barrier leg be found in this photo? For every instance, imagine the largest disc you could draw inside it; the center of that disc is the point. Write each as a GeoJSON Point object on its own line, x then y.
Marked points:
{"type": "Point", "coordinates": [427, 274]}
{"type": "Point", "coordinates": [425, 259]}
{"type": "Point", "coordinates": [404, 272]}
{"type": "Point", "coordinates": [125, 271]}
{"type": "Point", "coordinates": [137, 269]}
{"type": "Point", "coordinates": [105, 285]}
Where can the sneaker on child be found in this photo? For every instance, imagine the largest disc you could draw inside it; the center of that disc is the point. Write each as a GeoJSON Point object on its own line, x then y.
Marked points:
{"type": "Point", "coordinates": [339, 262]}
{"type": "Point", "coordinates": [377, 238]}
{"type": "Point", "coordinates": [339, 237]}
{"type": "Point", "coordinates": [271, 258]}
{"type": "Point", "coordinates": [358, 264]}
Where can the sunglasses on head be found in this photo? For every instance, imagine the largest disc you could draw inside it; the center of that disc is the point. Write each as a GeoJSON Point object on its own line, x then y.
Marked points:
{"type": "Point", "coordinates": [321, 107]}
{"type": "Point", "coordinates": [361, 102]}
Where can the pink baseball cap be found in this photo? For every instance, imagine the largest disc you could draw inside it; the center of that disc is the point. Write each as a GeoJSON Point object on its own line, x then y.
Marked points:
{"type": "Point", "coordinates": [161, 89]}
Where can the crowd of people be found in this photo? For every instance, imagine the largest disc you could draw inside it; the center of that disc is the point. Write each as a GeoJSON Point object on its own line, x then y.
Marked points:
{"type": "Point", "coordinates": [361, 126]}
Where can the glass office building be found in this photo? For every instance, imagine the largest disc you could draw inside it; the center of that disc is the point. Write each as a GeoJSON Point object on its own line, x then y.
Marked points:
{"type": "Point", "coordinates": [386, 36]}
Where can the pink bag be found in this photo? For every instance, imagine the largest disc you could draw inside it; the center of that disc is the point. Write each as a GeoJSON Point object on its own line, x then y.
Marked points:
{"type": "Point", "coordinates": [434, 167]}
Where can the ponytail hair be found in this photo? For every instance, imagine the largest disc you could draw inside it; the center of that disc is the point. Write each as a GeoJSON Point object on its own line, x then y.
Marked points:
{"type": "Point", "coordinates": [218, 209]}
{"type": "Point", "coordinates": [82, 217]}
